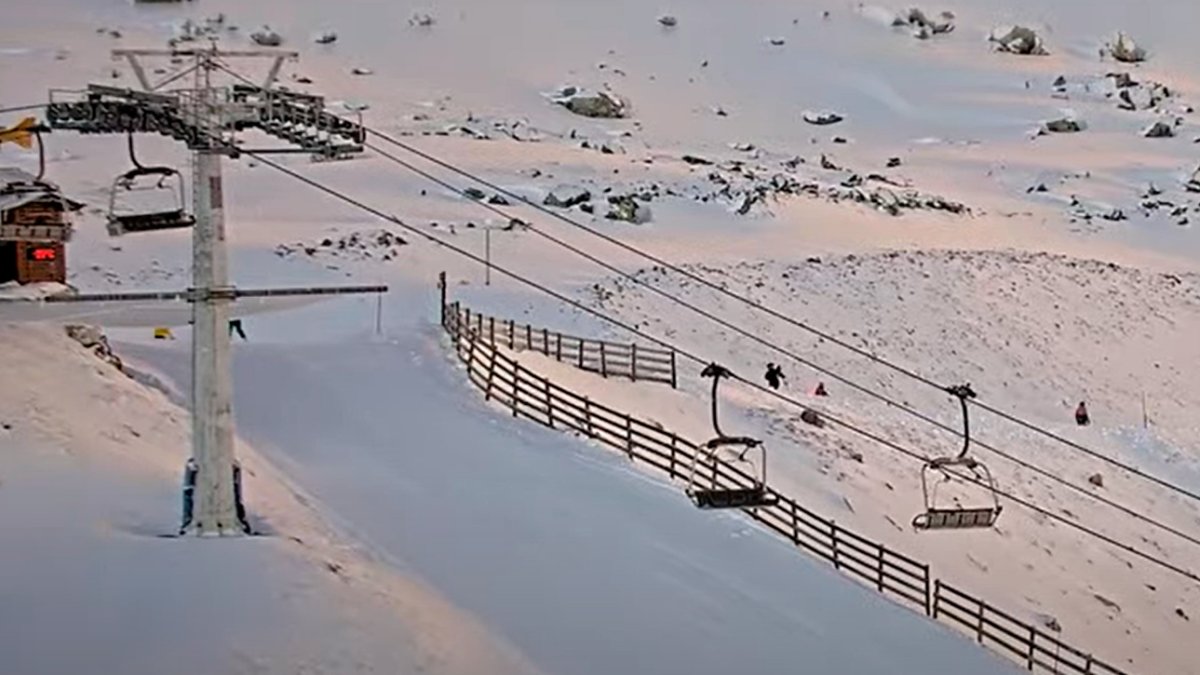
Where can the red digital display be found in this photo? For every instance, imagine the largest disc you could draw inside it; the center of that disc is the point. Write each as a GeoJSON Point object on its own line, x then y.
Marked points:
{"type": "Point", "coordinates": [43, 254]}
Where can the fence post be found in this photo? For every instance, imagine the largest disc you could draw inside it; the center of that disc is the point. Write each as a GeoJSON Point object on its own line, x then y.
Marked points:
{"type": "Point", "coordinates": [442, 294]}
{"type": "Point", "coordinates": [492, 329]}
{"type": "Point", "coordinates": [633, 361]}
{"type": "Point", "coordinates": [479, 324]}
{"type": "Point", "coordinates": [487, 392]}
{"type": "Point", "coordinates": [979, 618]}
{"type": "Point", "coordinates": [880, 553]}
{"type": "Point", "coordinates": [512, 343]}
{"type": "Point", "coordinates": [558, 346]}
{"type": "Point", "coordinates": [581, 341]}
{"type": "Point", "coordinates": [546, 342]}
{"type": "Point", "coordinates": [928, 605]}
{"type": "Point", "coordinates": [549, 402]}
{"type": "Point", "coordinates": [833, 530]}
{"type": "Point", "coordinates": [528, 336]}
{"type": "Point", "coordinates": [629, 436]}
{"type": "Point", "coordinates": [795, 523]}
{"type": "Point", "coordinates": [587, 416]}
{"type": "Point", "coordinates": [673, 369]}
{"type": "Point", "coordinates": [467, 317]}
{"type": "Point", "coordinates": [1032, 638]}
{"type": "Point", "coordinates": [603, 365]}
{"type": "Point", "coordinates": [937, 594]}
{"type": "Point", "coordinates": [674, 440]}
{"type": "Point", "coordinates": [516, 392]}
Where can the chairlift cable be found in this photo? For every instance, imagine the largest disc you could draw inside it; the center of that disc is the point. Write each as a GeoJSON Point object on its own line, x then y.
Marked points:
{"type": "Point", "coordinates": [1044, 473]}
{"type": "Point", "coordinates": [342, 196]}
{"type": "Point", "coordinates": [778, 315]}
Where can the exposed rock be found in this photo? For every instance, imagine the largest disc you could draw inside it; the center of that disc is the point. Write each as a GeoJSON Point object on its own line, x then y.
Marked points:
{"type": "Point", "coordinates": [1018, 40]}
{"type": "Point", "coordinates": [1049, 622]}
{"type": "Point", "coordinates": [668, 21]}
{"type": "Point", "coordinates": [361, 71]}
{"type": "Point", "coordinates": [326, 38]}
{"type": "Point", "coordinates": [812, 417]}
{"type": "Point", "coordinates": [776, 41]}
{"type": "Point", "coordinates": [367, 245]}
{"type": "Point", "coordinates": [1065, 125]}
{"type": "Point", "coordinates": [1159, 129]}
{"type": "Point", "coordinates": [93, 338]}
{"type": "Point", "coordinates": [498, 200]}
{"type": "Point", "coordinates": [601, 105]}
{"type": "Point", "coordinates": [822, 118]}
{"type": "Point", "coordinates": [1125, 50]}
{"type": "Point", "coordinates": [828, 164]}
{"type": "Point", "coordinates": [893, 162]}
{"type": "Point", "coordinates": [1060, 81]}
{"type": "Point", "coordinates": [696, 161]}
{"type": "Point", "coordinates": [923, 26]}
{"type": "Point", "coordinates": [1096, 479]}
{"type": "Point", "coordinates": [421, 19]}
{"type": "Point", "coordinates": [1106, 602]}
{"type": "Point", "coordinates": [474, 193]}
{"type": "Point", "coordinates": [266, 37]}
{"type": "Point", "coordinates": [1121, 80]}
{"type": "Point", "coordinates": [566, 196]}
{"type": "Point", "coordinates": [628, 208]}
{"type": "Point", "coordinates": [1181, 614]}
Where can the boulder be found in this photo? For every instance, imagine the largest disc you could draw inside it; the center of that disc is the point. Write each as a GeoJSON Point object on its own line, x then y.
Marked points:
{"type": "Point", "coordinates": [1096, 479]}
{"type": "Point", "coordinates": [1193, 183]}
{"type": "Point", "coordinates": [822, 117]}
{"type": "Point", "coordinates": [628, 208]}
{"type": "Point", "coordinates": [265, 37]}
{"type": "Point", "coordinates": [601, 104]}
{"type": "Point", "coordinates": [361, 71]}
{"type": "Point", "coordinates": [566, 196]}
{"type": "Point", "coordinates": [326, 38]}
{"type": "Point", "coordinates": [421, 19]}
{"type": "Point", "coordinates": [668, 21]}
{"type": "Point", "coordinates": [1065, 125]}
{"type": "Point", "coordinates": [1018, 40]}
{"type": "Point", "coordinates": [812, 417]}
{"type": "Point", "coordinates": [1125, 50]}
{"type": "Point", "coordinates": [1159, 129]}
{"type": "Point", "coordinates": [474, 193]}
{"type": "Point", "coordinates": [923, 26]}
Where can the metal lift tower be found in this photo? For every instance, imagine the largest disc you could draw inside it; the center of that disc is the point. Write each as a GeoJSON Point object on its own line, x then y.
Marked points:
{"type": "Point", "coordinates": [207, 117]}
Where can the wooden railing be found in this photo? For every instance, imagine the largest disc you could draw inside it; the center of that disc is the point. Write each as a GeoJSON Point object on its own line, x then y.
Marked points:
{"type": "Point", "coordinates": [526, 394]}
{"type": "Point", "coordinates": [634, 361]}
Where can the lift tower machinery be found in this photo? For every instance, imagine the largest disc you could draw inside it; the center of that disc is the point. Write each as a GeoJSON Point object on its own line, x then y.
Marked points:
{"type": "Point", "coordinates": [206, 105]}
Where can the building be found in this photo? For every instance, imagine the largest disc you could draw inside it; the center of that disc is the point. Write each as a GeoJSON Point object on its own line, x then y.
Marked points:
{"type": "Point", "coordinates": [35, 225]}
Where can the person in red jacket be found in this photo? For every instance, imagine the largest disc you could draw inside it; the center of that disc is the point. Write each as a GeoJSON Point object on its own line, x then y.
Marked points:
{"type": "Point", "coordinates": [1081, 415]}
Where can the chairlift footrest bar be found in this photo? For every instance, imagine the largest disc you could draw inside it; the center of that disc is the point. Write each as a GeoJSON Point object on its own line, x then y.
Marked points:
{"type": "Point", "coordinates": [739, 498]}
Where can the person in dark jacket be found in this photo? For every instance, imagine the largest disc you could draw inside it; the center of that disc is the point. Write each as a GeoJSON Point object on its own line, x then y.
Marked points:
{"type": "Point", "coordinates": [774, 375]}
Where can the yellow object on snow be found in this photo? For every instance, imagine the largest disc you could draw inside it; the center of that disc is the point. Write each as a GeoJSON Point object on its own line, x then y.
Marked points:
{"type": "Point", "coordinates": [163, 333]}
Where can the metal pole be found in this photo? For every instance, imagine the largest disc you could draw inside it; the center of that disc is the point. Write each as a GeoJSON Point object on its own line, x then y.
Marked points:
{"type": "Point", "coordinates": [379, 314]}
{"type": "Point", "coordinates": [487, 255]}
{"type": "Point", "coordinates": [215, 511]}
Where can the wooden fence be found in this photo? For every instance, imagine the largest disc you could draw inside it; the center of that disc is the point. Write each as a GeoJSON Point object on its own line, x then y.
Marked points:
{"type": "Point", "coordinates": [637, 362]}
{"type": "Point", "coordinates": [526, 394]}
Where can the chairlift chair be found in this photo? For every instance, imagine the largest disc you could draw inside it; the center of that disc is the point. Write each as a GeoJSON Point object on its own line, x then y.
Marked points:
{"type": "Point", "coordinates": [168, 211]}
{"type": "Point", "coordinates": [936, 517]}
{"type": "Point", "coordinates": [705, 488]}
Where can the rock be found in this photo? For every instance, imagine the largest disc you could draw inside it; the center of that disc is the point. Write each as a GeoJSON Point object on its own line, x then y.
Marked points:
{"type": "Point", "coordinates": [1065, 125]}
{"type": "Point", "coordinates": [923, 26]}
{"type": "Point", "coordinates": [696, 161]}
{"type": "Point", "coordinates": [498, 200]}
{"type": "Point", "coordinates": [474, 193]}
{"type": "Point", "coordinates": [776, 41]}
{"type": "Point", "coordinates": [1181, 614]}
{"type": "Point", "coordinates": [601, 105]}
{"type": "Point", "coordinates": [421, 19]}
{"type": "Point", "coordinates": [1018, 40]}
{"type": "Point", "coordinates": [812, 418]}
{"type": "Point", "coordinates": [361, 71]}
{"type": "Point", "coordinates": [266, 37]}
{"type": "Point", "coordinates": [1096, 479]}
{"type": "Point", "coordinates": [1159, 129]}
{"type": "Point", "coordinates": [1049, 622]}
{"type": "Point", "coordinates": [1060, 81]}
{"type": "Point", "coordinates": [326, 38]}
{"type": "Point", "coordinates": [1125, 50]}
{"type": "Point", "coordinates": [1121, 80]}
{"type": "Point", "coordinates": [303, 80]}
{"type": "Point", "coordinates": [1193, 183]}
{"type": "Point", "coordinates": [668, 21]}
{"type": "Point", "coordinates": [893, 162]}
{"type": "Point", "coordinates": [88, 336]}
{"type": "Point", "coordinates": [1106, 602]}
{"type": "Point", "coordinates": [629, 209]}
{"type": "Point", "coordinates": [822, 118]}
{"type": "Point", "coordinates": [566, 196]}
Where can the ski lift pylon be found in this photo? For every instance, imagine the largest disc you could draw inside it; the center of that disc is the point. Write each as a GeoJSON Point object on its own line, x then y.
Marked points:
{"type": "Point", "coordinates": [162, 179]}
{"type": "Point", "coordinates": [709, 489]}
{"type": "Point", "coordinates": [941, 518]}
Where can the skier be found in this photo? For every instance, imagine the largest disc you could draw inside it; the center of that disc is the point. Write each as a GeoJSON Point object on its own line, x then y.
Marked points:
{"type": "Point", "coordinates": [774, 375]}
{"type": "Point", "coordinates": [235, 326]}
{"type": "Point", "coordinates": [1081, 415]}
